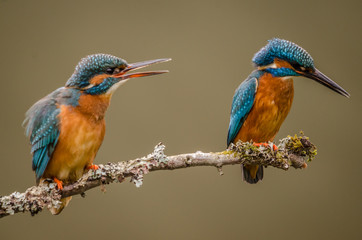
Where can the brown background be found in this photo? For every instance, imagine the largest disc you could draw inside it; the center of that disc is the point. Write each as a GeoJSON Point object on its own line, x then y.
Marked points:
{"type": "Point", "coordinates": [211, 44]}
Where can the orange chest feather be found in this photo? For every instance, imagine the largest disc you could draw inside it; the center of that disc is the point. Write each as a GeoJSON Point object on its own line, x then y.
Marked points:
{"type": "Point", "coordinates": [93, 106]}
{"type": "Point", "coordinates": [272, 103]}
{"type": "Point", "coordinates": [82, 130]}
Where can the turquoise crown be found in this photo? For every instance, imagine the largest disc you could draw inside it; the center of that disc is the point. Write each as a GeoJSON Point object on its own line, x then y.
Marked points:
{"type": "Point", "coordinates": [91, 66]}
{"type": "Point", "coordinates": [285, 50]}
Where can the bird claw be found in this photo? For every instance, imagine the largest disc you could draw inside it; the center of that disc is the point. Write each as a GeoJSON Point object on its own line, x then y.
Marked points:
{"type": "Point", "coordinates": [59, 183]}
{"type": "Point", "coordinates": [93, 166]}
{"type": "Point", "coordinates": [275, 148]}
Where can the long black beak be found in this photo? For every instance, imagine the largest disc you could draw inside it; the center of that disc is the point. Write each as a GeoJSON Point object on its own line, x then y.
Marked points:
{"type": "Point", "coordinates": [133, 66]}
{"type": "Point", "coordinates": [326, 81]}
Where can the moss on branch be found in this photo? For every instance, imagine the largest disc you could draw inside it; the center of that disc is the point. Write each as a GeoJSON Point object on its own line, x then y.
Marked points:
{"type": "Point", "coordinates": [293, 151]}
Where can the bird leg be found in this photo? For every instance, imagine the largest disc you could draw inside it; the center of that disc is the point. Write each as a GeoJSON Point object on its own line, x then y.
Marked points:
{"type": "Point", "coordinates": [275, 148]}
{"type": "Point", "coordinates": [59, 183]}
{"type": "Point", "coordinates": [92, 166]}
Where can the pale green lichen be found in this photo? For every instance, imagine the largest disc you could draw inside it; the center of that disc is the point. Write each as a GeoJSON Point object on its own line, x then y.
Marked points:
{"type": "Point", "coordinates": [159, 154]}
{"type": "Point", "coordinates": [229, 152]}
{"type": "Point", "coordinates": [299, 145]}
{"type": "Point", "coordinates": [34, 199]}
{"type": "Point", "coordinates": [137, 180]}
{"type": "Point", "coordinates": [291, 151]}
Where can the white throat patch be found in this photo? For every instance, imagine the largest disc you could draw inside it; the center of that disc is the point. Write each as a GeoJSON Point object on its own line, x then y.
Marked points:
{"type": "Point", "coordinates": [115, 86]}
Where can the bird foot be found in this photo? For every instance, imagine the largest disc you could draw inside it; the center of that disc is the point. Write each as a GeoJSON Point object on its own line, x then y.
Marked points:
{"type": "Point", "coordinates": [93, 166]}
{"type": "Point", "coordinates": [275, 148]}
{"type": "Point", "coordinates": [59, 183]}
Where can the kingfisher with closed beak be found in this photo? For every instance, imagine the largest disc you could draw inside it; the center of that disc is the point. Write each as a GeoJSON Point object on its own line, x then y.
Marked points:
{"type": "Point", "coordinates": [263, 100]}
{"type": "Point", "coordinates": [67, 127]}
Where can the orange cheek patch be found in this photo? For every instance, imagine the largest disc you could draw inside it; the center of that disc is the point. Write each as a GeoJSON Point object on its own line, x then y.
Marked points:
{"type": "Point", "coordinates": [96, 80]}
{"type": "Point", "coordinates": [281, 63]}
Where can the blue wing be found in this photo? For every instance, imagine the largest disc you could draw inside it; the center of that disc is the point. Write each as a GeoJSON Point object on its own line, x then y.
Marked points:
{"type": "Point", "coordinates": [242, 103]}
{"type": "Point", "coordinates": [42, 127]}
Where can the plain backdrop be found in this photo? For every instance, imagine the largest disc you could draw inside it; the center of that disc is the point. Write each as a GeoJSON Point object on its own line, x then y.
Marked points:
{"type": "Point", "coordinates": [211, 43]}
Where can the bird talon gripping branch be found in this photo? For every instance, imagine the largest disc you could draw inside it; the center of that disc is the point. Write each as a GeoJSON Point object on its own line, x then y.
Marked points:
{"type": "Point", "coordinates": [93, 167]}
{"type": "Point", "coordinates": [59, 183]}
{"type": "Point", "coordinates": [275, 148]}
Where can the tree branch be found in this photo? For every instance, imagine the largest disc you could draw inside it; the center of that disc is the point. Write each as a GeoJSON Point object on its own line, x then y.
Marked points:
{"type": "Point", "coordinates": [292, 151]}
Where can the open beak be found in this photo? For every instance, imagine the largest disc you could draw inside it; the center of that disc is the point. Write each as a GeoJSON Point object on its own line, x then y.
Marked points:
{"type": "Point", "coordinates": [123, 75]}
{"type": "Point", "coordinates": [326, 81]}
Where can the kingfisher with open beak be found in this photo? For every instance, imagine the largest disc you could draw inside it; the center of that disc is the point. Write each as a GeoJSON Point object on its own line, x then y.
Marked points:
{"type": "Point", "coordinates": [263, 100]}
{"type": "Point", "coordinates": [67, 127]}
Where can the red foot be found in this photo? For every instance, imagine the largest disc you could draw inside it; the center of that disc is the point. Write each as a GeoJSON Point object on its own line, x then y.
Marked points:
{"type": "Point", "coordinates": [59, 183]}
{"type": "Point", "coordinates": [275, 148]}
{"type": "Point", "coordinates": [93, 166]}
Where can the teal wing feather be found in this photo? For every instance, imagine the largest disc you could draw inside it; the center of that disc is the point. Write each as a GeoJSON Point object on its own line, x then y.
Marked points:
{"type": "Point", "coordinates": [242, 103]}
{"type": "Point", "coordinates": [42, 127]}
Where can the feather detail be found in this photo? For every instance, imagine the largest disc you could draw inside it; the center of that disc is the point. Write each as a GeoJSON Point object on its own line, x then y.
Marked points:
{"type": "Point", "coordinates": [42, 126]}
{"type": "Point", "coordinates": [242, 103]}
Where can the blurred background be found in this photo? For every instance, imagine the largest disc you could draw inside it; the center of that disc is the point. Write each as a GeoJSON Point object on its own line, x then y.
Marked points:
{"type": "Point", "coordinates": [211, 43]}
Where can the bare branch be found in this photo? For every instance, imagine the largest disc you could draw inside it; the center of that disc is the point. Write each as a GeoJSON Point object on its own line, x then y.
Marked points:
{"type": "Point", "coordinates": [292, 151]}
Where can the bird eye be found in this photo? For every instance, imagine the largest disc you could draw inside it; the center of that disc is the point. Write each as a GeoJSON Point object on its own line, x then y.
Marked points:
{"type": "Point", "coordinates": [297, 67]}
{"type": "Point", "coordinates": [109, 70]}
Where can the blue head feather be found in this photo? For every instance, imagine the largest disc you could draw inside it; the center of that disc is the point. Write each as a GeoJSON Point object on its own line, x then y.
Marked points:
{"type": "Point", "coordinates": [91, 66]}
{"type": "Point", "coordinates": [285, 50]}
{"type": "Point", "coordinates": [282, 72]}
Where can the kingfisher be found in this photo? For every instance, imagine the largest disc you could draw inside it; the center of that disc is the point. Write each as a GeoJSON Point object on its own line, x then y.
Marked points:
{"type": "Point", "coordinates": [66, 128]}
{"type": "Point", "coordinates": [263, 100]}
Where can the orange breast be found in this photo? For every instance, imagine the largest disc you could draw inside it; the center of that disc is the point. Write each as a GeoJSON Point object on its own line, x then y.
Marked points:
{"type": "Point", "coordinates": [82, 131]}
{"type": "Point", "coordinates": [272, 103]}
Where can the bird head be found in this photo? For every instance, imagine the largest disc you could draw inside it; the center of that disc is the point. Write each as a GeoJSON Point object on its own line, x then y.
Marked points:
{"type": "Point", "coordinates": [103, 73]}
{"type": "Point", "coordinates": [282, 58]}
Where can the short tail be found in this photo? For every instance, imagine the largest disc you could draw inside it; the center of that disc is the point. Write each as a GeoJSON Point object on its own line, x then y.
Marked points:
{"type": "Point", "coordinates": [64, 203]}
{"type": "Point", "coordinates": [252, 173]}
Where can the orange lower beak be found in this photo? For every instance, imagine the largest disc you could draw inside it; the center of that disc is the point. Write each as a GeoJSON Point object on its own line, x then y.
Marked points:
{"type": "Point", "coordinates": [133, 66]}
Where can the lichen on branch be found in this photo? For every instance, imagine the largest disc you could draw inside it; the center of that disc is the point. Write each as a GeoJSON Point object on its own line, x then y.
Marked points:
{"type": "Point", "coordinates": [292, 151]}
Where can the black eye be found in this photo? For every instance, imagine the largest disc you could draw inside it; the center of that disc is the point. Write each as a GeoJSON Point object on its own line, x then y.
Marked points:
{"type": "Point", "coordinates": [109, 70]}
{"type": "Point", "coordinates": [298, 67]}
